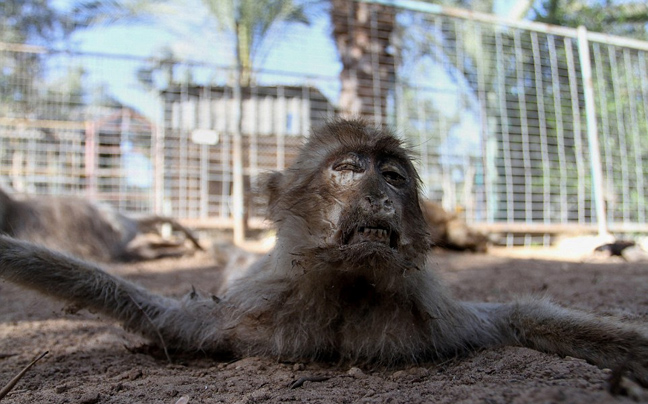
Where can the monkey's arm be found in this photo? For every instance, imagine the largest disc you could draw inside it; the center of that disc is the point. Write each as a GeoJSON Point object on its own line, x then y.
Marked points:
{"type": "Point", "coordinates": [544, 326]}
{"type": "Point", "coordinates": [162, 320]}
{"type": "Point", "coordinates": [146, 223]}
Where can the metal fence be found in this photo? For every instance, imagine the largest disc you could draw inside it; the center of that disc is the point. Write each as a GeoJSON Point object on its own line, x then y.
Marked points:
{"type": "Point", "coordinates": [509, 128]}
{"type": "Point", "coordinates": [560, 136]}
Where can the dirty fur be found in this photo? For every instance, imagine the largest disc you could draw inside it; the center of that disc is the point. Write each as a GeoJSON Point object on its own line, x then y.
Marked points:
{"type": "Point", "coordinates": [348, 280]}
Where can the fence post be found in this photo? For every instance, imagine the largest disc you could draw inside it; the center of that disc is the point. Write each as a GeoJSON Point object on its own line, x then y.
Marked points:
{"type": "Point", "coordinates": [157, 150]}
{"type": "Point", "coordinates": [91, 159]}
{"type": "Point", "coordinates": [238, 197]}
{"type": "Point", "coordinates": [592, 131]}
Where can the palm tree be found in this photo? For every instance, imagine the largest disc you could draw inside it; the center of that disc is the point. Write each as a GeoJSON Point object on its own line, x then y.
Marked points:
{"type": "Point", "coordinates": [247, 22]}
{"type": "Point", "coordinates": [251, 22]}
{"type": "Point", "coordinates": [362, 33]}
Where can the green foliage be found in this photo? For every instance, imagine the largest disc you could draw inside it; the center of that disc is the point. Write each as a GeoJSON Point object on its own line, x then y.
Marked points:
{"type": "Point", "coordinates": [627, 18]}
{"type": "Point", "coordinates": [251, 21]}
{"type": "Point", "coordinates": [33, 21]}
{"type": "Point", "coordinates": [246, 23]}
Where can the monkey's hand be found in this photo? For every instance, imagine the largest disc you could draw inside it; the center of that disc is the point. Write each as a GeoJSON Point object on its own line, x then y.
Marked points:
{"type": "Point", "coordinates": [603, 341]}
{"type": "Point", "coordinates": [170, 322]}
{"type": "Point", "coordinates": [85, 284]}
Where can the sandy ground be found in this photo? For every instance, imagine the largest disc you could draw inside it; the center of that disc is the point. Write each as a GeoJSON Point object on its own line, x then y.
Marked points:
{"type": "Point", "coordinates": [92, 360]}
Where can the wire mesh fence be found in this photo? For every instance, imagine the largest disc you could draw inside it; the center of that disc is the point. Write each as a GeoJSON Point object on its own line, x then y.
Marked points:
{"type": "Point", "coordinates": [508, 131]}
{"type": "Point", "coordinates": [496, 112]}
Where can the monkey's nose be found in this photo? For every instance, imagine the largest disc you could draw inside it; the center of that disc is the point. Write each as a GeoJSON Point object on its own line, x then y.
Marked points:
{"type": "Point", "coordinates": [378, 204]}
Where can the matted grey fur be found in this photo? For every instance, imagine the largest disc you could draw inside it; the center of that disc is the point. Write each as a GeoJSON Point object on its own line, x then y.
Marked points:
{"type": "Point", "coordinates": [86, 229]}
{"type": "Point", "coordinates": [347, 281]}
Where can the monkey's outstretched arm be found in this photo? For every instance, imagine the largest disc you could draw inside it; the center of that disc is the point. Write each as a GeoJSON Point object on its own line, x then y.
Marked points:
{"type": "Point", "coordinates": [87, 285]}
{"type": "Point", "coordinates": [602, 341]}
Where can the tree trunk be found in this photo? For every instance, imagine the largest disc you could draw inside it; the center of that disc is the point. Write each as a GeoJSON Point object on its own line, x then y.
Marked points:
{"type": "Point", "coordinates": [363, 35]}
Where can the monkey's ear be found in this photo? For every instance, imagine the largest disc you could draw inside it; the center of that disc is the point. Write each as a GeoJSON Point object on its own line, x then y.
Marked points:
{"type": "Point", "coordinates": [273, 189]}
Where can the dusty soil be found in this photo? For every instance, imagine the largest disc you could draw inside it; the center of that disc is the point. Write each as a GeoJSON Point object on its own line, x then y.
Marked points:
{"type": "Point", "coordinates": [92, 360]}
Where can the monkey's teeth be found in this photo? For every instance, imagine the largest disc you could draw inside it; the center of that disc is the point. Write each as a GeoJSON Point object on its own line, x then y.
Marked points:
{"type": "Point", "coordinates": [371, 234]}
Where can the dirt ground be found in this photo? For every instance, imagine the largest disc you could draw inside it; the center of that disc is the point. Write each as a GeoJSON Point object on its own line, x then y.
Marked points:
{"type": "Point", "coordinates": [92, 360]}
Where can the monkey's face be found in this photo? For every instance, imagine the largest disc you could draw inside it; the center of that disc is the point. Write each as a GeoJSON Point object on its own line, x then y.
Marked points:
{"type": "Point", "coordinates": [351, 198]}
{"type": "Point", "coordinates": [368, 192]}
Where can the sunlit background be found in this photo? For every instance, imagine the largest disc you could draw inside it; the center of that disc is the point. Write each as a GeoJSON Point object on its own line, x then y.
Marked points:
{"type": "Point", "coordinates": [522, 124]}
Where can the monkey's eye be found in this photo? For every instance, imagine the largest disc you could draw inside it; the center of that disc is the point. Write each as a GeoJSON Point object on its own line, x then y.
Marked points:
{"type": "Point", "coordinates": [393, 173]}
{"type": "Point", "coordinates": [394, 178]}
{"type": "Point", "coordinates": [348, 166]}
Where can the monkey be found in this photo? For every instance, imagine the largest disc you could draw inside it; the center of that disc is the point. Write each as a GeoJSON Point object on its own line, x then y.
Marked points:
{"type": "Point", "coordinates": [615, 248]}
{"type": "Point", "coordinates": [449, 231]}
{"type": "Point", "coordinates": [349, 280]}
{"type": "Point", "coordinates": [88, 230]}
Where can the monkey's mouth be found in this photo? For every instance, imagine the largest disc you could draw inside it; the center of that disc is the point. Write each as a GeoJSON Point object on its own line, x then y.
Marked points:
{"type": "Point", "coordinates": [371, 234]}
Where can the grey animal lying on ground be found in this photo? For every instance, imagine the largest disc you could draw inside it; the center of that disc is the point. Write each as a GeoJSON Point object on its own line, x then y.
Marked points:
{"type": "Point", "coordinates": [88, 230]}
{"type": "Point", "coordinates": [449, 231]}
{"type": "Point", "coordinates": [348, 280]}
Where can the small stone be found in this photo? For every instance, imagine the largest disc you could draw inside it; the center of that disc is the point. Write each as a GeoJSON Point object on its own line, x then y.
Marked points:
{"type": "Point", "coordinates": [419, 372]}
{"type": "Point", "coordinates": [357, 373]}
{"type": "Point", "coordinates": [90, 398]}
{"type": "Point", "coordinates": [571, 358]}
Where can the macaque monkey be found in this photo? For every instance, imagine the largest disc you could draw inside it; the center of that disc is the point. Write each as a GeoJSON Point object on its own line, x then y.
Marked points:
{"type": "Point", "coordinates": [449, 231]}
{"type": "Point", "coordinates": [347, 281]}
{"type": "Point", "coordinates": [88, 230]}
{"type": "Point", "coordinates": [616, 248]}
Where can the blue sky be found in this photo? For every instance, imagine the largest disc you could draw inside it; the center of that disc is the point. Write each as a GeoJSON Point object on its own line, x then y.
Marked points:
{"type": "Point", "coordinates": [300, 50]}
{"type": "Point", "coordinates": [309, 50]}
